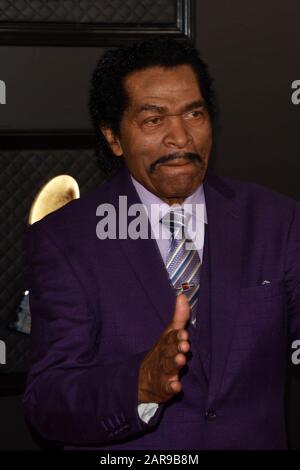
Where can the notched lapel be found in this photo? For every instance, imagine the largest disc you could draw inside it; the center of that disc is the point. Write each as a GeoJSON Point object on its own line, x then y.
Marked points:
{"type": "Point", "coordinates": [145, 259]}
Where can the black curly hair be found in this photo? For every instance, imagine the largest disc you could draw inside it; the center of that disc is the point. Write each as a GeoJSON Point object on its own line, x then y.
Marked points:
{"type": "Point", "coordinates": [108, 98]}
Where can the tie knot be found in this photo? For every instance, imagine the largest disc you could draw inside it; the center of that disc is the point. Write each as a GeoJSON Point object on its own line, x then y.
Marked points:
{"type": "Point", "coordinates": [175, 221]}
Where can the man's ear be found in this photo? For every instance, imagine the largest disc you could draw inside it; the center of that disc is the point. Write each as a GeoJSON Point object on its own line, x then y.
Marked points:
{"type": "Point", "coordinates": [112, 141]}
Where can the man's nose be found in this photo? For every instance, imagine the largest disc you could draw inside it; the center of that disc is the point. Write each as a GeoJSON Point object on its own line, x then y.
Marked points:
{"type": "Point", "coordinates": [177, 134]}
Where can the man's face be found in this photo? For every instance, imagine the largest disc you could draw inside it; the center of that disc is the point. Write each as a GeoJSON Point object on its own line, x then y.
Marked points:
{"type": "Point", "coordinates": [165, 133]}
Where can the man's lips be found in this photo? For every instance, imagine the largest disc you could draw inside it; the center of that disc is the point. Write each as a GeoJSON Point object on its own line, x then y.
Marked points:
{"type": "Point", "coordinates": [177, 162]}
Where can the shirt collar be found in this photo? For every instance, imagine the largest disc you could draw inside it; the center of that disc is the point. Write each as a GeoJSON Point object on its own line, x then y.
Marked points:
{"type": "Point", "coordinates": [189, 203]}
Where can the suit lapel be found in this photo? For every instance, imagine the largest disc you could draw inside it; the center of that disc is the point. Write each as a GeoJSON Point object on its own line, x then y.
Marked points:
{"type": "Point", "coordinates": [145, 259]}
{"type": "Point", "coordinates": [225, 254]}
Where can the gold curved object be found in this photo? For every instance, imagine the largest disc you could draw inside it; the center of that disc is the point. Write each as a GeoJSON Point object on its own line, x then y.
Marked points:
{"type": "Point", "coordinates": [57, 192]}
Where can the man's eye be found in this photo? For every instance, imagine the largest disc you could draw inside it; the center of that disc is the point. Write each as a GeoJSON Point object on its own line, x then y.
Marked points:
{"type": "Point", "coordinates": [154, 121]}
{"type": "Point", "coordinates": [196, 114]}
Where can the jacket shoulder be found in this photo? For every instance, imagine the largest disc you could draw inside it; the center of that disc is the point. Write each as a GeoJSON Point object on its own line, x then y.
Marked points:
{"type": "Point", "coordinates": [253, 191]}
{"type": "Point", "coordinates": [255, 202]}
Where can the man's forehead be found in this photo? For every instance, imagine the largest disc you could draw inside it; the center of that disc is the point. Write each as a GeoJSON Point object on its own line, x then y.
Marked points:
{"type": "Point", "coordinates": [158, 85]}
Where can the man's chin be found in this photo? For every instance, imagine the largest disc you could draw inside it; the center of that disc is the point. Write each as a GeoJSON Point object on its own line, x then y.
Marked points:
{"type": "Point", "coordinates": [181, 185]}
{"type": "Point", "coordinates": [178, 192]}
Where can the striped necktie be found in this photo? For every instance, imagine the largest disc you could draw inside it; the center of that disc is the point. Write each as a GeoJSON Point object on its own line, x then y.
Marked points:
{"type": "Point", "coordinates": [183, 262]}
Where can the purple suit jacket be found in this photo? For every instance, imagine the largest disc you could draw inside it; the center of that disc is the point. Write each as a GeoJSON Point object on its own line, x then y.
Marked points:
{"type": "Point", "coordinates": [99, 306]}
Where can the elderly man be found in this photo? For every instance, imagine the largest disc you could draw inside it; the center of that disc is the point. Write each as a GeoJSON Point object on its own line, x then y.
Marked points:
{"type": "Point", "coordinates": [173, 341]}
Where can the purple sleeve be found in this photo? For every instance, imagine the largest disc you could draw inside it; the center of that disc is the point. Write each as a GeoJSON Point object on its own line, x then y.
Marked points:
{"type": "Point", "coordinates": [72, 397]}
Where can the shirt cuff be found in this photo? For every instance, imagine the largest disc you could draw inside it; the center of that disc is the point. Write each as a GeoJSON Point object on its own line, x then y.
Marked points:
{"type": "Point", "coordinates": [146, 411]}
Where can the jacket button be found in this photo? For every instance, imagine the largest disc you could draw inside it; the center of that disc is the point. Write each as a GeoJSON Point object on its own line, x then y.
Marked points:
{"type": "Point", "coordinates": [211, 415]}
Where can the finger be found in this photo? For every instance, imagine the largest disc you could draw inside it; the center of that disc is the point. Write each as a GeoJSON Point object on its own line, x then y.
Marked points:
{"type": "Point", "coordinates": [174, 348]}
{"type": "Point", "coordinates": [171, 365]}
{"type": "Point", "coordinates": [180, 360]}
{"type": "Point", "coordinates": [181, 313]}
{"type": "Point", "coordinates": [173, 386]}
{"type": "Point", "coordinates": [174, 336]}
{"type": "Point", "coordinates": [184, 346]}
{"type": "Point", "coordinates": [182, 335]}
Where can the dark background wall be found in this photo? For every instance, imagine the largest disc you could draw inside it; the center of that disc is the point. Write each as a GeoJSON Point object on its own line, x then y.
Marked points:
{"type": "Point", "coordinates": [253, 51]}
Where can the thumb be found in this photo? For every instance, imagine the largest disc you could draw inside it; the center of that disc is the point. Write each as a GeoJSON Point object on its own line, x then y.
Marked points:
{"type": "Point", "coordinates": [181, 313]}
